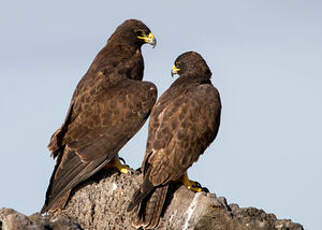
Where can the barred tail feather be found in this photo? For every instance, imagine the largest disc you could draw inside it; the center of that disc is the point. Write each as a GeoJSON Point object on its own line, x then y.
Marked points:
{"type": "Point", "coordinates": [150, 209]}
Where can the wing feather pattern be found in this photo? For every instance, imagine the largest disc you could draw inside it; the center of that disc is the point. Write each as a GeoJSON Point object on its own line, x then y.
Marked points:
{"type": "Point", "coordinates": [109, 105]}
{"type": "Point", "coordinates": [182, 125]}
{"type": "Point", "coordinates": [104, 123]}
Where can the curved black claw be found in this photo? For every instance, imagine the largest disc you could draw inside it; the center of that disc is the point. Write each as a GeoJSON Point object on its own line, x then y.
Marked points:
{"type": "Point", "coordinates": [122, 159]}
{"type": "Point", "coordinates": [204, 189]}
{"type": "Point", "coordinates": [197, 185]}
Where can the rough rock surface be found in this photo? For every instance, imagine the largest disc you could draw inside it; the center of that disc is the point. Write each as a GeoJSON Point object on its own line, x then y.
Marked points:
{"type": "Point", "coordinates": [13, 220]}
{"type": "Point", "coordinates": [101, 203]}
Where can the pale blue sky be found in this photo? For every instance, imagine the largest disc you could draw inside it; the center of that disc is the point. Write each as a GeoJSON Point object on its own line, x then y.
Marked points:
{"type": "Point", "coordinates": [266, 57]}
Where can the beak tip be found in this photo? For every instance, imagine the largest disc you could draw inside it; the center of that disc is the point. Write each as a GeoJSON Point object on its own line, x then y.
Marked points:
{"type": "Point", "coordinates": [154, 43]}
{"type": "Point", "coordinates": [173, 73]}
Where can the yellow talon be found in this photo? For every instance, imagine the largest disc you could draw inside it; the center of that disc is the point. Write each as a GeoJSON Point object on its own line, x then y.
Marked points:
{"type": "Point", "coordinates": [115, 163]}
{"type": "Point", "coordinates": [124, 170]}
{"type": "Point", "coordinates": [195, 189]}
{"type": "Point", "coordinates": [191, 185]}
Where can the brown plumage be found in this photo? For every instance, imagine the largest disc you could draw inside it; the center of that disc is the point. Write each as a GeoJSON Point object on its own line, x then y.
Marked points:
{"type": "Point", "coordinates": [110, 104]}
{"type": "Point", "coordinates": [183, 123]}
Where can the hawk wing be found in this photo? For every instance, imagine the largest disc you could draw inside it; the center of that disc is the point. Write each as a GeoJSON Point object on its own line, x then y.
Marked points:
{"type": "Point", "coordinates": [99, 123]}
{"type": "Point", "coordinates": [182, 126]}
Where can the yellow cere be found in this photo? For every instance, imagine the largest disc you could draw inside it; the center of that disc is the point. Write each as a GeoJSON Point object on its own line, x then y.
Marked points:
{"type": "Point", "coordinates": [175, 69]}
{"type": "Point", "coordinates": [151, 36]}
{"type": "Point", "coordinates": [148, 38]}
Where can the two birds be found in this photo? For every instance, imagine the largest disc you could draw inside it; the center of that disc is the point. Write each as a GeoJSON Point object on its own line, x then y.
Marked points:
{"type": "Point", "coordinates": [109, 106]}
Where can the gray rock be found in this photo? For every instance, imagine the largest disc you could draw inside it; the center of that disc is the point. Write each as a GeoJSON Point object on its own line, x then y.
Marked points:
{"type": "Point", "coordinates": [13, 220]}
{"type": "Point", "coordinates": [101, 203]}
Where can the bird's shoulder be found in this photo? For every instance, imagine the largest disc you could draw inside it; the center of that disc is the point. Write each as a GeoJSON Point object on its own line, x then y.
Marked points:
{"type": "Point", "coordinates": [198, 93]}
{"type": "Point", "coordinates": [204, 93]}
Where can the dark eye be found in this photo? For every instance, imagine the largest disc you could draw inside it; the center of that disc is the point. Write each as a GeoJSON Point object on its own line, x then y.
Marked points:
{"type": "Point", "coordinates": [139, 32]}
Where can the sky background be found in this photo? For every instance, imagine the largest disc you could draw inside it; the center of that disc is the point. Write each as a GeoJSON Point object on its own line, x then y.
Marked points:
{"type": "Point", "coordinates": [266, 59]}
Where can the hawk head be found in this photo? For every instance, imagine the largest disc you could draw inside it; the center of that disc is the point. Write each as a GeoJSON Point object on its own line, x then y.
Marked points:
{"type": "Point", "coordinates": [190, 63]}
{"type": "Point", "coordinates": [134, 32]}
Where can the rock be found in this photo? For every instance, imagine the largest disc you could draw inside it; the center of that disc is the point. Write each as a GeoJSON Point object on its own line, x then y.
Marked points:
{"type": "Point", "coordinates": [13, 220]}
{"type": "Point", "coordinates": [101, 203]}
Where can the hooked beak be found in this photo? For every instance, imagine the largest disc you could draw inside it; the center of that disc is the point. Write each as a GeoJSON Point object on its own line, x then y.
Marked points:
{"type": "Point", "coordinates": [174, 70]}
{"type": "Point", "coordinates": [150, 39]}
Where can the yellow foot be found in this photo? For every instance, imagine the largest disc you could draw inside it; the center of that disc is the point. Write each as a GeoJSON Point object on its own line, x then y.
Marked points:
{"type": "Point", "coordinates": [191, 185]}
{"type": "Point", "coordinates": [115, 163]}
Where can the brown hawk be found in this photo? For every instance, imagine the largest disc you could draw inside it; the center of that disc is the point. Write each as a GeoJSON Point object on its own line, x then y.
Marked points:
{"type": "Point", "coordinates": [183, 123]}
{"type": "Point", "coordinates": [110, 104]}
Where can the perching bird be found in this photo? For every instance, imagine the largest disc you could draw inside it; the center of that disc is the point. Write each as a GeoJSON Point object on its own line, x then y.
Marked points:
{"type": "Point", "coordinates": [110, 104]}
{"type": "Point", "coordinates": [183, 123]}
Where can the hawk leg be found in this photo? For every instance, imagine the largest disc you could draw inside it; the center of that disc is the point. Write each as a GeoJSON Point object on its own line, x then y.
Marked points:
{"type": "Point", "coordinates": [115, 163]}
{"type": "Point", "coordinates": [191, 185]}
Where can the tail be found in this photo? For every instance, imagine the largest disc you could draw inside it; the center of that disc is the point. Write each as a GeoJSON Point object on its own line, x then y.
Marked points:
{"type": "Point", "coordinates": [148, 207]}
{"type": "Point", "coordinates": [59, 203]}
{"type": "Point", "coordinates": [53, 200]}
{"type": "Point", "coordinates": [145, 189]}
{"type": "Point", "coordinates": [68, 173]}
